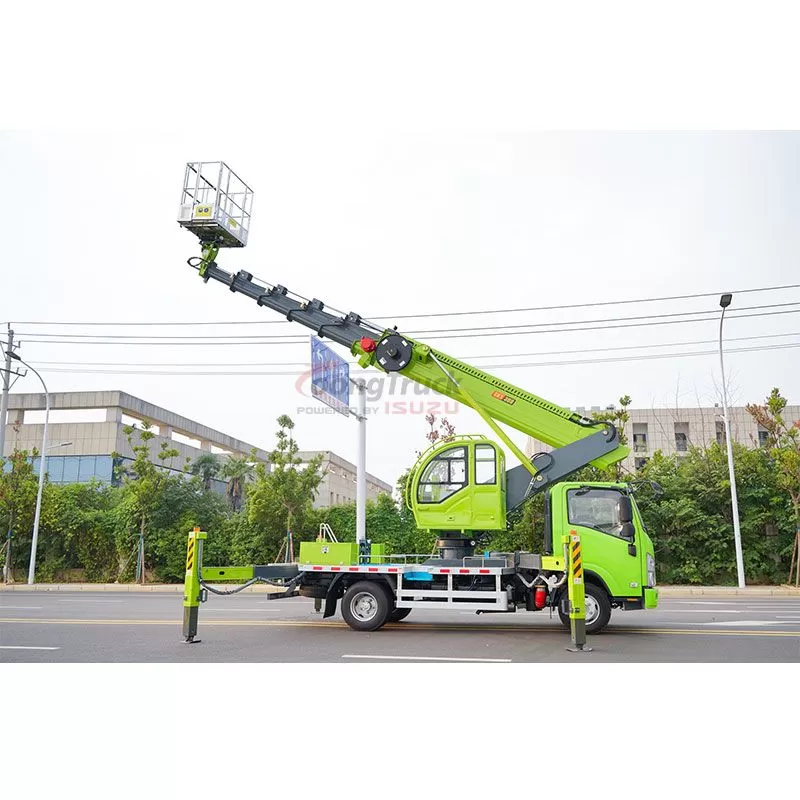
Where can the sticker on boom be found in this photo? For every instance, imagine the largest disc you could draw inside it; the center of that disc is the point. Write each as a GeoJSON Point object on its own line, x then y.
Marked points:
{"type": "Point", "coordinates": [504, 397]}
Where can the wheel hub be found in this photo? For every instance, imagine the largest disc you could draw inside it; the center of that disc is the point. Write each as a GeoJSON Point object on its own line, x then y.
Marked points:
{"type": "Point", "coordinates": [592, 609]}
{"type": "Point", "coordinates": [364, 606]}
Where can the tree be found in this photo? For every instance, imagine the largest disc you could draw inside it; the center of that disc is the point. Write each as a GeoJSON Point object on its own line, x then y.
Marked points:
{"type": "Point", "coordinates": [144, 486]}
{"type": "Point", "coordinates": [619, 416]}
{"type": "Point", "coordinates": [206, 467]}
{"type": "Point", "coordinates": [281, 500]}
{"type": "Point", "coordinates": [237, 470]}
{"type": "Point", "coordinates": [691, 522]}
{"type": "Point", "coordinates": [18, 488]}
{"type": "Point", "coordinates": [783, 447]}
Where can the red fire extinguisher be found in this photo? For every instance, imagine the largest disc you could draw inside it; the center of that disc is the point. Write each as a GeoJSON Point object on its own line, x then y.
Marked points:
{"type": "Point", "coordinates": [540, 597]}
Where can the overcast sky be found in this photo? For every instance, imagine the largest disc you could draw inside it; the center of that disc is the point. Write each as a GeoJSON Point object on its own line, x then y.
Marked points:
{"type": "Point", "coordinates": [409, 224]}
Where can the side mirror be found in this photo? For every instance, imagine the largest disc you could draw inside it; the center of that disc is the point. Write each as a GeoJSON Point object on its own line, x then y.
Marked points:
{"type": "Point", "coordinates": [628, 532]}
{"type": "Point", "coordinates": [625, 509]}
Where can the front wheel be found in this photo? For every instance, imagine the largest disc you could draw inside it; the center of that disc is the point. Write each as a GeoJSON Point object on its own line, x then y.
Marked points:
{"type": "Point", "coordinates": [598, 609]}
{"type": "Point", "coordinates": [366, 606]}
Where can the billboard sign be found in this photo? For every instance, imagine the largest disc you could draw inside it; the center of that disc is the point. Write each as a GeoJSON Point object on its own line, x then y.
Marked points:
{"type": "Point", "coordinates": [330, 377]}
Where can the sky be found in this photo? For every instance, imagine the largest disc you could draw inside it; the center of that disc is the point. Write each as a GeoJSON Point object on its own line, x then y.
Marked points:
{"type": "Point", "coordinates": [396, 224]}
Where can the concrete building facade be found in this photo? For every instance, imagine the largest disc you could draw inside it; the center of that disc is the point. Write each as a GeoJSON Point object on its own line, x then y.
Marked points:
{"type": "Point", "coordinates": [675, 430]}
{"type": "Point", "coordinates": [94, 425]}
{"type": "Point", "coordinates": [339, 484]}
{"type": "Point", "coordinates": [94, 422]}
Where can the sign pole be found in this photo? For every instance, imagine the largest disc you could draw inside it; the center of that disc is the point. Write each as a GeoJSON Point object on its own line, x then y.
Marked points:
{"type": "Point", "coordinates": [361, 467]}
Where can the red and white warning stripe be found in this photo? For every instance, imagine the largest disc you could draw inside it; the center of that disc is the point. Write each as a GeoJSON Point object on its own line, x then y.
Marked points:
{"type": "Point", "coordinates": [384, 568]}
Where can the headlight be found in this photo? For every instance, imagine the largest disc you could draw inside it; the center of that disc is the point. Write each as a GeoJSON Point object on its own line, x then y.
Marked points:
{"type": "Point", "coordinates": [651, 571]}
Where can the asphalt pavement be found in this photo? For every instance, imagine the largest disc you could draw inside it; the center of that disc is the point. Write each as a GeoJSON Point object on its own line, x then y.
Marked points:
{"type": "Point", "coordinates": [71, 627]}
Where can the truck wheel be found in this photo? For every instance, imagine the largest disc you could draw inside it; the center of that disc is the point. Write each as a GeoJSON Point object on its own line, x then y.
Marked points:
{"type": "Point", "coordinates": [398, 614]}
{"type": "Point", "coordinates": [598, 609]}
{"type": "Point", "coordinates": [366, 606]}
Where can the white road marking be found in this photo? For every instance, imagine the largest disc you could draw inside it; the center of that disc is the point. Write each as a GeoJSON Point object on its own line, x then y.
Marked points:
{"type": "Point", "coordinates": [18, 608]}
{"type": "Point", "coordinates": [701, 602]}
{"type": "Point", "coordinates": [89, 601]}
{"type": "Point", "coordinates": [785, 616]}
{"type": "Point", "coordinates": [703, 611]}
{"type": "Point", "coordinates": [431, 658]}
{"type": "Point", "coordinates": [19, 647]}
{"type": "Point", "coordinates": [745, 622]}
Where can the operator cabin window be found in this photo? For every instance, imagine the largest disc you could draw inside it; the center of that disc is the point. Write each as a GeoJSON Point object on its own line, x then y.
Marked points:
{"type": "Point", "coordinates": [594, 508]}
{"type": "Point", "coordinates": [443, 476]}
{"type": "Point", "coordinates": [485, 465]}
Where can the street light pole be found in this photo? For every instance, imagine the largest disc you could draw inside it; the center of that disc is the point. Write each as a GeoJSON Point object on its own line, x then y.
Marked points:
{"type": "Point", "coordinates": [724, 302]}
{"type": "Point", "coordinates": [42, 462]}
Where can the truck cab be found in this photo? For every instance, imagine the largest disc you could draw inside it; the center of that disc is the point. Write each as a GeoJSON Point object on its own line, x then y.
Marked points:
{"type": "Point", "coordinates": [618, 555]}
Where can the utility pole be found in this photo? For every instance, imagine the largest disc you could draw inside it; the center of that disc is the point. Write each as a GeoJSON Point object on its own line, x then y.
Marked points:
{"type": "Point", "coordinates": [9, 349]}
{"type": "Point", "coordinates": [6, 386]}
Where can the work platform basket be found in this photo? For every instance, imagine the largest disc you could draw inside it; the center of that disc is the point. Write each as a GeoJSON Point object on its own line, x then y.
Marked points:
{"type": "Point", "coordinates": [216, 204]}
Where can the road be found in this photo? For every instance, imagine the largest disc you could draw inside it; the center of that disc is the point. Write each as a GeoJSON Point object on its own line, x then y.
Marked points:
{"type": "Point", "coordinates": [126, 627]}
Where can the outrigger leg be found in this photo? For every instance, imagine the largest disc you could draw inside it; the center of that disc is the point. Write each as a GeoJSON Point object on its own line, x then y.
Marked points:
{"type": "Point", "coordinates": [192, 590]}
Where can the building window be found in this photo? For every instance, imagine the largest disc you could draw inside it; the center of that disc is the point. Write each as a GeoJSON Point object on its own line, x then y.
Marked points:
{"type": "Point", "coordinates": [763, 437]}
{"type": "Point", "coordinates": [720, 428]}
{"type": "Point", "coordinates": [682, 436]}
{"type": "Point", "coordinates": [86, 469]}
{"type": "Point", "coordinates": [71, 464]}
{"type": "Point", "coordinates": [640, 437]}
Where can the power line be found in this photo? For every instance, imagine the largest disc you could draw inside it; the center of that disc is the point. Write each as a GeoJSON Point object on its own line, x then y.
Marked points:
{"type": "Point", "coordinates": [595, 304]}
{"type": "Point", "coordinates": [470, 357]}
{"type": "Point", "coordinates": [459, 334]}
{"type": "Point", "coordinates": [713, 312]}
{"type": "Point", "coordinates": [622, 359]}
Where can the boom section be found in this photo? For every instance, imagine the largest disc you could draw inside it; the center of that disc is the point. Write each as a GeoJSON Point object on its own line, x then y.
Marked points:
{"type": "Point", "coordinates": [389, 351]}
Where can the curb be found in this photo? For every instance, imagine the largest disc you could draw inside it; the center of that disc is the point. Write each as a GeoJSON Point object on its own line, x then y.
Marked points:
{"type": "Point", "coordinates": [728, 591]}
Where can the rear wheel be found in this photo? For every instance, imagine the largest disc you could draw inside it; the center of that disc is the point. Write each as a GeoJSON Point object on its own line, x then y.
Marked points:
{"type": "Point", "coordinates": [598, 609]}
{"type": "Point", "coordinates": [399, 614]}
{"type": "Point", "coordinates": [366, 606]}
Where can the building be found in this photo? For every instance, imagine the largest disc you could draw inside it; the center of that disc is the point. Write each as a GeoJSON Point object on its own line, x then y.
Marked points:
{"type": "Point", "coordinates": [675, 430]}
{"type": "Point", "coordinates": [339, 483]}
{"type": "Point", "coordinates": [86, 428]}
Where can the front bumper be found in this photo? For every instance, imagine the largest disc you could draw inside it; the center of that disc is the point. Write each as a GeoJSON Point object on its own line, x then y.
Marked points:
{"type": "Point", "coordinates": [651, 598]}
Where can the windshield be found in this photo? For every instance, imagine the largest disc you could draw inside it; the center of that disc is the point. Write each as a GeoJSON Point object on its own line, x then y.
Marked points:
{"type": "Point", "coordinates": [594, 508]}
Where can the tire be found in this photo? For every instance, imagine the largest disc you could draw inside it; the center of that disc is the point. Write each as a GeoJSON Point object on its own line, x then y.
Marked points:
{"type": "Point", "coordinates": [366, 606]}
{"type": "Point", "coordinates": [598, 609]}
{"type": "Point", "coordinates": [399, 614]}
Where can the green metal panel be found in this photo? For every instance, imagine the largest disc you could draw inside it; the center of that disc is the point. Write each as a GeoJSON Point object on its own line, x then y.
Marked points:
{"type": "Point", "coordinates": [474, 507]}
{"type": "Point", "coordinates": [377, 553]}
{"type": "Point", "coordinates": [651, 598]}
{"type": "Point", "coordinates": [227, 573]}
{"type": "Point", "coordinates": [604, 554]}
{"type": "Point", "coordinates": [336, 553]}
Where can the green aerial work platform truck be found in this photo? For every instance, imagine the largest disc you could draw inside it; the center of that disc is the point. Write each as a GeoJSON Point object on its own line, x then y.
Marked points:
{"type": "Point", "coordinates": [595, 542]}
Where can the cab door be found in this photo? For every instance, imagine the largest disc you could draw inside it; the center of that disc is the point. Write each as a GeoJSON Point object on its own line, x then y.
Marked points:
{"type": "Point", "coordinates": [593, 513]}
